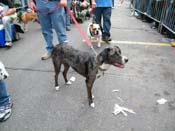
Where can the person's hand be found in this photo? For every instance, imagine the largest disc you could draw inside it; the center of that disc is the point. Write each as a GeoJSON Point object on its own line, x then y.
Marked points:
{"type": "Point", "coordinates": [32, 5]}
{"type": "Point", "coordinates": [63, 2]}
{"type": "Point", "coordinates": [93, 5]}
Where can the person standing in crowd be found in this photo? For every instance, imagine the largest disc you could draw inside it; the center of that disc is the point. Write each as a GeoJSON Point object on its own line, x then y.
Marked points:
{"type": "Point", "coordinates": [103, 8]}
{"type": "Point", "coordinates": [6, 20]}
{"type": "Point", "coordinates": [51, 17]}
{"type": "Point", "coordinates": [69, 4]}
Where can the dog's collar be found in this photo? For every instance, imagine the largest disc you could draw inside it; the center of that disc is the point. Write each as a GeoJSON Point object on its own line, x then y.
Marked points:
{"type": "Point", "coordinates": [100, 73]}
{"type": "Point", "coordinates": [104, 67]}
{"type": "Point", "coordinates": [101, 69]}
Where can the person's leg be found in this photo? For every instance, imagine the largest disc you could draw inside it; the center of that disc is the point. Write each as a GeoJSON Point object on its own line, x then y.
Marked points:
{"type": "Point", "coordinates": [69, 4]}
{"type": "Point", "coordinates": [98, 15]}
{"type": "Point", "coordinates": [106, 22]}
{"type": "Point", "coordinates": [4, 96]}
{"type": "Point", "coordinates": [112, 3]}
{"type": "Point", "coordinates": [46, 24]}
{"type": "Point", "coordinates": [5, 103]}
{"type": "Point", "coordinates": [7, 22]}
{"type": "Point", "coordinates": [58, 21]}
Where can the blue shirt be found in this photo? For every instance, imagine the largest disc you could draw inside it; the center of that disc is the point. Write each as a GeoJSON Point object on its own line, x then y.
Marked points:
{"type": "Point", "coordinates": [104, 3]}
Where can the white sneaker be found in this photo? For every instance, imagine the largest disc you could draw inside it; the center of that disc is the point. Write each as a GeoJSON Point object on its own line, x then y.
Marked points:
{"type": "Point", "coordinates": [5, 112]}
{"type": "Point", "coordinates": [9, 43]}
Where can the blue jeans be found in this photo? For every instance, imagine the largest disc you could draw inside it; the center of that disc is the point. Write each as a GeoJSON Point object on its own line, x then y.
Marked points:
{"type": "Point", "coordinates": [7, 22]}
{"type": "Point", "coordinates": [48, 21]}
{"type": "Point", "coordinates": [4, 96]}
{"type": "Point", "coordinates": [24, 3]}
{"type": "Point", "coordinates": [69, 4]}
{"type": "Point", "coordinates": [106, 13]}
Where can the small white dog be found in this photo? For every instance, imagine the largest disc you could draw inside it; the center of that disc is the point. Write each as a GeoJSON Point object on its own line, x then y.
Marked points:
{"type": "Point", "coordinates": [3, 73]}
{"type": "Point", "coordinates": [94, 32]}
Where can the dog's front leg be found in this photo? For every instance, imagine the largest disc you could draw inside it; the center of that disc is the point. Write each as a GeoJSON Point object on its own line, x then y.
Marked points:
{"type": "Point", "coordinates": [89, 84]}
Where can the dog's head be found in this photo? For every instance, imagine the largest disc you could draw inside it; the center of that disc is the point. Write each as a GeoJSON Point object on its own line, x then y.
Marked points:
{"type": "Point", "coordinates": [95, 29]}
{"type": "Point", "coordinates": [111, 56]}
{"type": "Point", "coordinates": [3, 73]}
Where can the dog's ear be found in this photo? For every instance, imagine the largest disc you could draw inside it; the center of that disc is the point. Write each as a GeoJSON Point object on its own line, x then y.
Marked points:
{"type": "Point", "coordinates": [117, 49]}
{"type": "Point", "coordinates": [111, 51]}
{"type": "Point", "coordinates": [91, 26]}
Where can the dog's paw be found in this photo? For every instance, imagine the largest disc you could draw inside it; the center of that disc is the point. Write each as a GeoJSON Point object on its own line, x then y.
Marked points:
{"type": "Point", "coordinates": [57, 88]}
{"type": "Point", "coordinates": [68, 83]}
{"type": "Point", "coordinates": [93, 96]}
{"type": "Point", "coordinates": [92, 105]}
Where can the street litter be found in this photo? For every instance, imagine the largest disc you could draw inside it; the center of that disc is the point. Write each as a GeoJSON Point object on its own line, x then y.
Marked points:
{"type": "Point", "coordinates": [72, 79]}
{"type": "Point", "coordinates": [115, 90]}
{"type": "Point", "coordinates": [118, 109]}
{"type": "Point", "coordinates": [120, 99]}
{"type": "Point", "coordinates": [161, 101]}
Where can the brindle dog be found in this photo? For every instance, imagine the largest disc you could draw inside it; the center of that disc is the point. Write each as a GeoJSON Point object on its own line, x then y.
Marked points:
{"type": "Point", "coordinates": [85, 63]}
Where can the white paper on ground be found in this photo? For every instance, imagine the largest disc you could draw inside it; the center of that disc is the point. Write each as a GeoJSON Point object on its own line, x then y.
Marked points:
{"type": "Point", "coordinates": [161, 101]}
{"type": "Point", "coordinates": [118, 109]}
{"type": "Point", "coordinates": [115, 90]}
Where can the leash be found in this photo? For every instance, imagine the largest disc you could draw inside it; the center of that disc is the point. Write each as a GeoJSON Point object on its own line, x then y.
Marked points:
{"type": "Point", "coordinates": [87, 41]}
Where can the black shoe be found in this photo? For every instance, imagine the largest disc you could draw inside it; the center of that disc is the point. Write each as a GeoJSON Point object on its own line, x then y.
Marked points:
{"type": "Point", "coordinates": [106, 38]}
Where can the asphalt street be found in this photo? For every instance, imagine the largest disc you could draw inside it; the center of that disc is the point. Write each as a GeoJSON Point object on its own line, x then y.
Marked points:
{"type": "Point", "coordinates": [148, 76]}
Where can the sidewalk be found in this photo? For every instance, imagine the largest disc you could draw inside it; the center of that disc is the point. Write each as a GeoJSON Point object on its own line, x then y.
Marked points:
{"type": "Point", "coordinates": [148, 76]}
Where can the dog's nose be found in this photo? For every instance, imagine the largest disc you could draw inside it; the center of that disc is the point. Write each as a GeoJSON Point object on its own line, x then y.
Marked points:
{"type": "Point", "coordinates": [126, 60]}
{"type": "Point", "coordinates": [5, 76]}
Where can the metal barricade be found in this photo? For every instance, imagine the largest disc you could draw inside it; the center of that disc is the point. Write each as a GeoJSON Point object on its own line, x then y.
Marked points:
{"type": "Point", "coordinates": [161, 11]}
{"type": "Point", "coordinates": [169, 19]}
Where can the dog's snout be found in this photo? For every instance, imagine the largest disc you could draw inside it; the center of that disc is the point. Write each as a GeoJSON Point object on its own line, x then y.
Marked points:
{"type": "Point", "coordinates": [5, 76]}
{"type": "Point", "coordinates": [126, 60]}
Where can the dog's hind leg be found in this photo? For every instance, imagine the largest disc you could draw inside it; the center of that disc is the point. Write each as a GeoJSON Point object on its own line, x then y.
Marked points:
{"type": "Point", "coordinates": [66, 68]}
{"type": "Point", "coordinates": [57, 67]}
{"type": "Point", "coordinates": [89, 85]}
